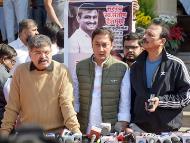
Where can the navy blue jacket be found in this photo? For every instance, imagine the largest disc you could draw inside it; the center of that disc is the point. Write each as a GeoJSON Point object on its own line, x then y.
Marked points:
{"type": "Point", "coordinates": [171, 84]}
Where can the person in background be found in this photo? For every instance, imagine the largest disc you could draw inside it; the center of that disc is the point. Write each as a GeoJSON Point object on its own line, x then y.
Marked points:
{"type": "Point", "coordinates": [7, 61]}
{"type": "Point", "coordinates": [116, 55]}
{"type": "Point", "coordinates": [80, 40]}
{"type": "Point", "coordinates": [102, 86]}
{"type": "Point", "coordinates": [51, 30]}
{"type": "Point", "coordinates": [38, 13]}
{"type": "Point", "coordinates": [41, 92]}
{"type": "Point", "coordinates": [160, 84]}
{"type": "Point", "coordinates": [131, 47]}
{"type": "Point", "coordinates": [14, 11]}
{"type": "Point", "coordinates": [27, 28]}
{"type": "Point", "coordinates": [59, 57]}
{"type": "Point", "coordinates": [55, 11]}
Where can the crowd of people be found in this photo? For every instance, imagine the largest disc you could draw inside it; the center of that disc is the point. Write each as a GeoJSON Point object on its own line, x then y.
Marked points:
{"type": "Point", "coordinates": [145, 91]}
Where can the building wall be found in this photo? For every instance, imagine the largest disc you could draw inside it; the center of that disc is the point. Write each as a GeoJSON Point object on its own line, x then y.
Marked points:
{"type": "Point", "coordinates": [168, 7]}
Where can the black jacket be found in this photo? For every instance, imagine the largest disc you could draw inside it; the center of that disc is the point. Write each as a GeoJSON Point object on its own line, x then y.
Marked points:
{"type": "Point", "coordinates": [171, 84]}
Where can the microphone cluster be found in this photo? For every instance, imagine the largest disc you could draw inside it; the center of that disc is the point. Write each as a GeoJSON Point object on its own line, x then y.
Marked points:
{"type": "Point", "coordinates": [104, 135]}
{"type": "Point", "coordinates": [65, 137]}
{"type": "Point", "coordinates": [175, 137]}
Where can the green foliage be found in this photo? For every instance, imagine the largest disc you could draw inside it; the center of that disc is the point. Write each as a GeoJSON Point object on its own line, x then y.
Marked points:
{"type": "Point", "coordinates": [148, 7]}
{"type": "Point", "coordinates": [146, 13]}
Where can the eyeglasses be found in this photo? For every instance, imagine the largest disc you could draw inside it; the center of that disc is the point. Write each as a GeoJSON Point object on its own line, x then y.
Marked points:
{"type": "Point", "coordinates": [13, 61]}
{"type": "Point", "coordinates": [130, 47]}
{"type": "Point", "coordinates": [39, 53]}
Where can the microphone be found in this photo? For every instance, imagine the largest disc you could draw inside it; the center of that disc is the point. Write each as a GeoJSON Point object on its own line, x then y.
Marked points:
{"type": "Point", "coordinates": [77, 138]}
{"type": "Point", "coordinates": [175, 140]}
{"type": "Point", "coordinates": [85, 139]}
{"type": "Point", "coordinates": [30, 129]}
{"type": "Point", "coordinates": [164, 139]}
{"type": "Point", "coordinates": [151, 140]}
{"type": "Point", "coordinates": [129, 138]}
{"type": "Point", "coordinates": [68, 139]}
{"type": "Point", "coordinates": [120, 137]}
{"type": "Point", "coordinates": [108, 139]}
{"type": "Point", "coordinates": [140, 139]}
{"type": "Point", "coordinates": [95, 131]}
{"type": "Point", "coordinates": [186, 137]}
{"type": "Point", "coordinates": [167, 141]}
{"type": "Point", "coordinates": [106, 128]}
{"type": "Point", "coordinates": [118, 128]}
{"type": "Point", "coordinates": [66, 132]}
{"type": "Point", "coordinates": [59, 138]}
{"type": "Point", "coordinates": [67, 136]}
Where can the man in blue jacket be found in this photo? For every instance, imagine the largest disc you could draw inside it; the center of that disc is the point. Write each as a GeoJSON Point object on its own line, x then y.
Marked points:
{"type": "Point", "coordinates": [160, 84]}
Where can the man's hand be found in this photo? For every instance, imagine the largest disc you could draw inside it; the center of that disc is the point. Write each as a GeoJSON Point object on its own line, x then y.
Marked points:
{"type": "Point", "coordinates": [154, 102]}
{"type": "Point", "coordinates": [135, 6]}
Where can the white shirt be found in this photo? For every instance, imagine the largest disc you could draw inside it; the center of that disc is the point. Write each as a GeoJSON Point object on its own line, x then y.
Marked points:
{"type": "Point", "coordinates": [6, 88]}
{"type": "Point", "coordinates": [22, 52]}
{"type": "Point", "coordinates": [80, 42]}
{"type": "Point", "coordinates": [95, 116]}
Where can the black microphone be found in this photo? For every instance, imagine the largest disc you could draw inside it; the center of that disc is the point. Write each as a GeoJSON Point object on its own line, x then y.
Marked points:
{"type": "Point", "coordinates": [59, 138]}
{"type": "Point", "coordinates": [129, 138]}
{"type": "Point", "coordinates": [30, 129]}
{"type": "Point", "coordinates": [85, 139]}
{"type": "Point", "coordinates": [167, 141]}
{"type": "Point", "coordinates": [175, 140]}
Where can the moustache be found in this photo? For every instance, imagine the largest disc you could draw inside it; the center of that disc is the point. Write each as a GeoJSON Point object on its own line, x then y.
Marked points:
{"type": "Point", "coordinates": [145, 41]}
{"type": "Point", "coordinates": [129, 54]}
{"type": "Point", "coordinates": [94, 23]}
{"type": "Point", "coordinates": [42, 60]}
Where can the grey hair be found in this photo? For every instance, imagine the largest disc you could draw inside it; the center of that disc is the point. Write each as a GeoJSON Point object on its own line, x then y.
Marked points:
{"type": "Point", "coordinates": [39, 41]}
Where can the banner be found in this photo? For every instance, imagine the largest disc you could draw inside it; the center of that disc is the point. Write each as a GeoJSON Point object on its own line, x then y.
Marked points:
{"type": "Point", "coordinates": [83, 17]}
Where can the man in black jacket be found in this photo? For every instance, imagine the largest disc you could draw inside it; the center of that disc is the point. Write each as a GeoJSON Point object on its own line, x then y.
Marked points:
{"type": "Point", "coordinates": [160, 84]}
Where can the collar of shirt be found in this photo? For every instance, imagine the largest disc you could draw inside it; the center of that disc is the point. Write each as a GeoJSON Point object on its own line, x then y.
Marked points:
{"type": "Point", "coordinates": [3, 67]}
{"type": "Point", "coordinates": [21, 44]}
{"type": "Point", "coordinates": [49, 68]}
{"type": "Point", "coordinates": [104, 63]}
{"type": "Point", "coordinates": [83, 33]}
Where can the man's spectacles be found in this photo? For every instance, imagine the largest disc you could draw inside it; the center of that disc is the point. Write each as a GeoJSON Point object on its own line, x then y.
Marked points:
{"type": "Point", "coordinates": [13, 61]}
{"type": "Point", "coordinates": [131, 47]}
{"type": "Point", "coordinates": [39, 53]}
